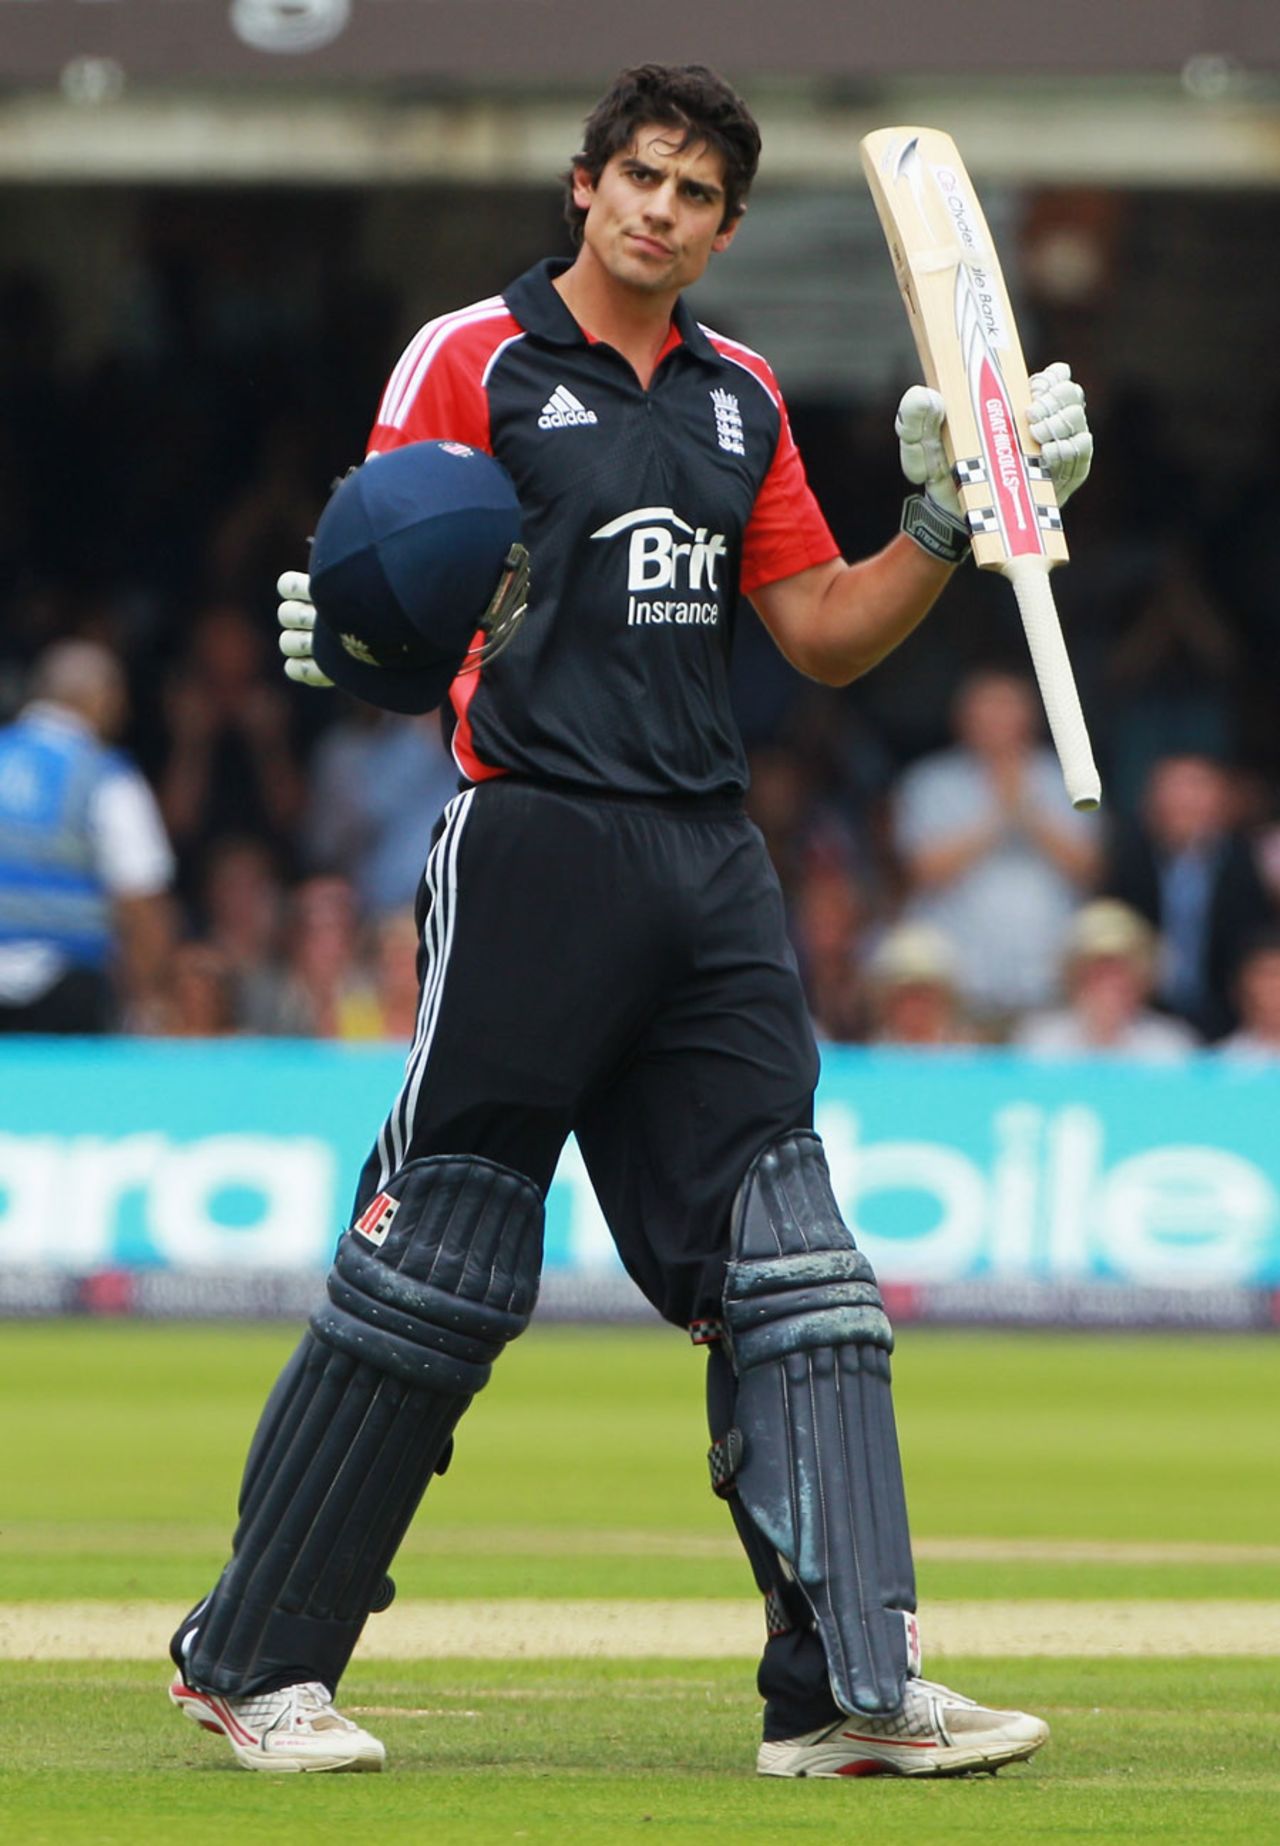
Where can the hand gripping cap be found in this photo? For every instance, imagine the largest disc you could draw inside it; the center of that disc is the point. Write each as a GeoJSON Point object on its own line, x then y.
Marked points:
{"type": "Point", "coordinates": [411, 556]}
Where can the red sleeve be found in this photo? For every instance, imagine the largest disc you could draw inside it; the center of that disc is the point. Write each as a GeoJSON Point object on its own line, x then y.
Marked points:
{"type": "Point", "coordinates": [438, 388]}
{"type": "Point", "coordinates": [787, 532]}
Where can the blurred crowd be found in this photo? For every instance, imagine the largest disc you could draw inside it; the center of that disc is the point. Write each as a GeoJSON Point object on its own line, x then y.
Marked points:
{"type": "Point", "coordinates": [940, 889]}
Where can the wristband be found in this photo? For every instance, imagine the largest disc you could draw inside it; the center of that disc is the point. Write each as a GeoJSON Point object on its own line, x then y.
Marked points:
{"type": "Point", "coordinates": [933, 530]}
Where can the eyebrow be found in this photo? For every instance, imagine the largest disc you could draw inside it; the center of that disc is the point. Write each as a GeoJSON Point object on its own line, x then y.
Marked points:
{"type": "Point", "coordinates": [709, 186]}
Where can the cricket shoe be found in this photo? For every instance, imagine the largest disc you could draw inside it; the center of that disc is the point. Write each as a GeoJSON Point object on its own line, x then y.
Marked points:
{"type": "Point", "coordinates": [933, 1732]}
{"type": "Point", "coordinates": [287, 1731]}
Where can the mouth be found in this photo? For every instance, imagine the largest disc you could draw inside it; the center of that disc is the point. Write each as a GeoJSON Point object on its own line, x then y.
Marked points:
{"type": "Point", "coordinates": [649, 246]}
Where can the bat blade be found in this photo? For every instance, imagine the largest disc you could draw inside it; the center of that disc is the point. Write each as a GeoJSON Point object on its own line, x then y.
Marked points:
{"type": "Point", "coordinates": [950, 280]}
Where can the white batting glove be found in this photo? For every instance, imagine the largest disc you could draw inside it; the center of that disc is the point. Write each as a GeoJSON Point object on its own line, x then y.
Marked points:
{"type": "Point", "coordinates": [297, 618]}
{"type": "Point", "coordinates": [1057, 421]}
{"type": "Point", "coordinates": [918, 425]}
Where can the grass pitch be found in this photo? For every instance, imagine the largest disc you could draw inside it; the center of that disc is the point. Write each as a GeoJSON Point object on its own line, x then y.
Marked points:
{"type": "Point", "coordinates": [540, 1751]}
{"type": "Point", "coordinates": [1102, 1469]}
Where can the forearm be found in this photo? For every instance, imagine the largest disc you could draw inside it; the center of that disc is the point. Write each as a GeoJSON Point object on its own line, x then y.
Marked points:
{"type": "Point", "coordinates": [184, 788]}
{"type": "Point", "coordinates": [280, 785]}
{"type": "Point", "coordinates": [861, 612]}
{"type": "Point", "coordinates": [146, 933]}
{"type": "Point", "coordinates": [1075, 858]}
{"type": "Point", "coordinates": [939, 865]}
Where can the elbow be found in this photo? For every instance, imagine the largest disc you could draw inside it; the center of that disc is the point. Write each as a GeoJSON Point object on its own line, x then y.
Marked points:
{"type": "Point", "coordinates": [829, 666]}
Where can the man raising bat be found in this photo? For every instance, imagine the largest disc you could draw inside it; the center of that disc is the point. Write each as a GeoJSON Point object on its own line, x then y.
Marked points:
{"type": "Point", "coordinates": [603, 953]}
{"type": "Point", "coordinates": [1000, 485]}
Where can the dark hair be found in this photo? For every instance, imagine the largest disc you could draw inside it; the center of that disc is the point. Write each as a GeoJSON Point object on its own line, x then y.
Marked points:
{"type": "Point", "coordinates": [689, 97]}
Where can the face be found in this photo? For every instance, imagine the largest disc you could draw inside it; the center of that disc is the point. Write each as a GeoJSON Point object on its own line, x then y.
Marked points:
{"type": "Point", "coordinates": [918, 1013]}
{"type": "Point", "coordinates": [1260, 993]}
{"type": "Point", "coordinates": [1111, 988]}
{"type": "Point", "coordinates": [995, 715]}
{"type": "Point", "coordinates": [1188, 801]}
{"type": "Point", "coordinates": [654, 215]}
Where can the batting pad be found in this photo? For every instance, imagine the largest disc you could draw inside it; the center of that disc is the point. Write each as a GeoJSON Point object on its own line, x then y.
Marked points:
{"type": "Point", "coordinates": [437, 1274]}
{"type": "Point", "coordinates": [819, 1471]}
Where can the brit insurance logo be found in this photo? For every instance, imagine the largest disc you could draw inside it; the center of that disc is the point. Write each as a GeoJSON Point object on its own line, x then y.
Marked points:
{"type": "Point", "coordinates": [666, 553]}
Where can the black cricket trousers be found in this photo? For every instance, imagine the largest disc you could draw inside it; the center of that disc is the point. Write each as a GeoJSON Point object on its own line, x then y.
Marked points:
{"type": "Point", "coordinates": [619, 969]}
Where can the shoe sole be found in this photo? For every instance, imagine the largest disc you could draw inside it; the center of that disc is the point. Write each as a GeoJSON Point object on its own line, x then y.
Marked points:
{"type": "Point", "coordinates": [950, 1761]}
{"type": "Point", "coordinates": [203, 1710]}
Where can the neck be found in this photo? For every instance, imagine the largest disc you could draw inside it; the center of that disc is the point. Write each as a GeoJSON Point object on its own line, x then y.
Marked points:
{"type": "Point", "coordinates": [634, 322]}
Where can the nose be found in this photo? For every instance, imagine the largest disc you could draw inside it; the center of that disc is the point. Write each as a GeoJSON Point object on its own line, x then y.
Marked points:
{"type": "Point", "coordinates": [660, 205]}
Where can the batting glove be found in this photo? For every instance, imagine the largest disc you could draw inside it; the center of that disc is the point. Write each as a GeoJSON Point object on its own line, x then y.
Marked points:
{"type": "Point", "coordinates": [1057, 421]}
{"type": "Point", "coordinates": [297, 618]}
{"type": "Point", "coordinates": [933, 519]}
{"type": "Point", "coordinates": [918, 424]}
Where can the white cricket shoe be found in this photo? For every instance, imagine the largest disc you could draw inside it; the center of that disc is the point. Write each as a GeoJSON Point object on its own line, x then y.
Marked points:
{"type": "Point", "coordinates": [934, 1732]}
{"type": "Point", "coordinates": [294, 1729]}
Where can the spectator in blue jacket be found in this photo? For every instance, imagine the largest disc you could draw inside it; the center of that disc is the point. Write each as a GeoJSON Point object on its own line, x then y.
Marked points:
{"type": "Point", "coordinates": [86, 926]}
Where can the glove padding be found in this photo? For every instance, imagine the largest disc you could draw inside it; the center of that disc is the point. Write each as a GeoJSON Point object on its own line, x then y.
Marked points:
{"type": "Point", "coordinates": [1057, 421]}
{"type": "Point", "coordinates": [297, 618]}
{"type": "Point", "coordinates": [918, 424]}
{"type": "Point", "coordinates": [1055, 417]}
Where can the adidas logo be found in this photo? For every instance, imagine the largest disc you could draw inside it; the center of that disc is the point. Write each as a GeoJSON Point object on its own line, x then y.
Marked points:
{"type": "Point", "coordinates": [562, 410]}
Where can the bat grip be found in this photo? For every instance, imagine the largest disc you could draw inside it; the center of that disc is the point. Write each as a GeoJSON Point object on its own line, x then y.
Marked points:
{"type": "Point", "coordinates": [1030, 579]}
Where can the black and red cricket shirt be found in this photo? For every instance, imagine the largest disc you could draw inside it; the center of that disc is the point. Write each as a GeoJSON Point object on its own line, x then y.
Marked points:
{"type": "Point", "coordinates": [647, 514]}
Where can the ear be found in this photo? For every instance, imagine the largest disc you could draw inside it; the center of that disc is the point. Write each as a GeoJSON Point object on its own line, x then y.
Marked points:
{"type": "Point", "coordinates": [724, 238]}
{"type": "Point", "coordinates": [584, 188]}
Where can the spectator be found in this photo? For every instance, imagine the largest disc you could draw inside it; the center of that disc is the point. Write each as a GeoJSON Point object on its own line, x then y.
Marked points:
{"type": "Point", "coordinates": [1173, 673]}
{"type": "Point", "coordinates": [85, 867]}
{"type": "Point", "coordinates": [825, 925]}
{"type": "Point", "coordinates": [231, 767]}
{"type": "Point", "coordinates": [994, 855]}
{"type": "Point", "coordinates": [1110, 964]}
{"type": "Point", "coordinates": [782, 802]}
{"type": "Point", "coordinates": [914, 999]}
{"type": "Point", "coordinates": [202, 996]}
{"type": "Point", "coordinates": [395, 969]}
{"type": "Point", "coordinates": [1188, 868]}
{"type": "Point", "coordinates": [327, 992]}
{"type": "Point", "coordinates": [271, 517]}
{"type": "Point", "coordinates": [241, 911]}
{"type": "Point", "coordinates": [1257, 1037]}
{"type": "Point", "coordinates": [369, 772]}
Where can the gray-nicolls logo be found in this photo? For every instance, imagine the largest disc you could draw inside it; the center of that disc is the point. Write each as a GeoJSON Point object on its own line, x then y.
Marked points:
{"type": "Point", "coordinates": [665, 552]}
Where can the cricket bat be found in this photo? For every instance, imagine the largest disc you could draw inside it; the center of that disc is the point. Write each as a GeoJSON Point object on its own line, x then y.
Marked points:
{"type": "Point", "coordinates": [949, 276]}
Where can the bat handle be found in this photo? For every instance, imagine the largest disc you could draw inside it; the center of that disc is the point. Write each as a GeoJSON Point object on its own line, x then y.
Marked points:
{"type": "Point", "coordinates": [1030, 579]}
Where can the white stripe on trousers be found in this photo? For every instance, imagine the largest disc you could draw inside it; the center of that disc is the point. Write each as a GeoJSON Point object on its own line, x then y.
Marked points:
{"type": "Point", "coordinates": [441, 877]}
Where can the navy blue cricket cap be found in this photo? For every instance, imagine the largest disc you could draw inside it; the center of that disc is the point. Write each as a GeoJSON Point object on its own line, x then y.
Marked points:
{"type": "Point", "coordinates": [406, 557]}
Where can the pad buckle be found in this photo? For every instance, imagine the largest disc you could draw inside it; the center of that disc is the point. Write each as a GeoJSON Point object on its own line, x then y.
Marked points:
{"type": "Point", "coordinates": [776, 1619]}
{"type": "Point", "coordinates": [725, 1459]}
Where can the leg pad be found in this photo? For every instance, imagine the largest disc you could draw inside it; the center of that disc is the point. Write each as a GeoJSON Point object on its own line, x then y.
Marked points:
{"type": "Point", "coordinates": [419, 1306]}
{"type": "Point", "coordinates": [813, 1450]}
